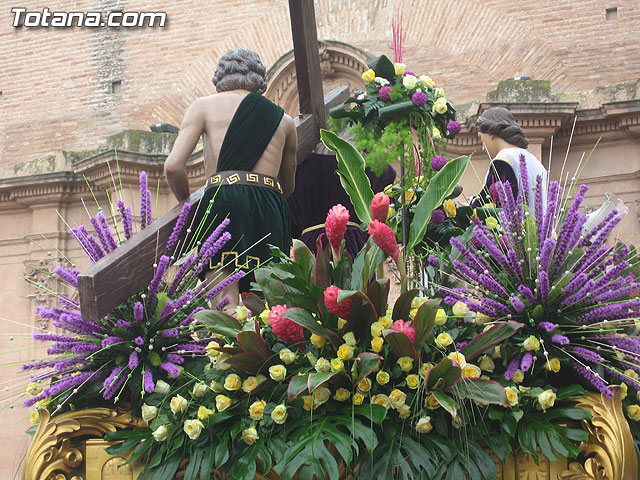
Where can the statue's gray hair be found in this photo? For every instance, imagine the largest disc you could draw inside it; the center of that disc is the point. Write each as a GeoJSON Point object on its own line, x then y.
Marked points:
{"type": "Point", "coordinates": [240, 69]}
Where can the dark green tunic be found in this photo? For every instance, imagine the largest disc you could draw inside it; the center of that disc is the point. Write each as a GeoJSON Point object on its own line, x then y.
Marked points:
{"type": "Point", "coordinates": [254, 211]}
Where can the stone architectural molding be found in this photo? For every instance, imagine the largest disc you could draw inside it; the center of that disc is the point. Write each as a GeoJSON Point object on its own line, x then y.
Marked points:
{"type": "Point", "coordinates": [43, 284]}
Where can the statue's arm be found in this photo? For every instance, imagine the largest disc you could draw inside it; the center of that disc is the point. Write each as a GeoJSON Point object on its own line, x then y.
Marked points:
{"type": "Point", "coordinates": [175, 166]}
{"type": "Point", "coordinates": [287, 173]}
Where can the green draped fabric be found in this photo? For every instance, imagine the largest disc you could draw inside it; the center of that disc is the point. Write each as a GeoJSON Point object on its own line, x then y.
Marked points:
{"type": "Point", "coordinates": [254, 211]}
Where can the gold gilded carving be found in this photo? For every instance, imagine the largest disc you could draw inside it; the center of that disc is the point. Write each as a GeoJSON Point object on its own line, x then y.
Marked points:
{"type": "Point", "coordinates": [610, 454]}
{"type": "Point", "coordinates": [56, 449]}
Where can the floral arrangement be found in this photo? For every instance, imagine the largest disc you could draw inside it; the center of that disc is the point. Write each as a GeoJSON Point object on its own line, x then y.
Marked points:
{"type": "Point", "coordinates": [141, 344]}
{"type": "Point", "coordinates": [399, 116]}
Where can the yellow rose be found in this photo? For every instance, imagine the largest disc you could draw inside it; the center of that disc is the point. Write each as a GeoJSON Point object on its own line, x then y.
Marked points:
{"type": "Point", "coordinates": [337, 365]}
{"type": "Point", "coordinates": [633, 412]}
{"type": "Point", "coordinates": [413, 381]}
{"type": "Point", "coordinates": [409, 195]}
{"type": "Point", "coordinates": [518, 376]}
{"type": "Point", "coordinates": [350, 339]}
{"type": "Point", "coordinates": [249, 436]}
{"type": "Point", "coordinates": [491, 223]}
{"type": "Point", "coordinates": [481, 319]}
{"type": "Point", "coordinates": [436, 133]}
{"type": "Point", "coordinates": [380, 399]}
{"type": "Point", "coordinates": [149, 412]}
{"type": "Point", "coordinates": [216, 386]}
{"type": "Point", "coordinates": [160, 433]}
{"type": "Point", "coordinates": [631, 374]}
{"type": "Point", "coordinates": [546, 399]}
{"type": "Point", "coordinates": [345, 352]}
{"type": "Point", "coordinates": [444, 340]}
{"type": "Point", "coordinates": [531, 343]}
{"type": "Point", "coordinates": [406, 363]}
{"type": "Point", "coordinates": [199, 389]}
{"type": "Point", "coordinates": [193, 428]}
{"type": "Point", "coordinates": [382, 377]}
{"type": "Point", "coordinates": [376, 329]}
{"type": "Point", "coordinates": [358, 398]}
{"type": "Point", "coordinates": [317, 340]}
{"type": "Point", "coordinates": [412, 313]}
{"type": "Point", "coordinates": [624, 391]}
{"type": "Point", "coordinates": [424, 369]}
{"type": "Point", "coordinates": [399, 69]}
{"type": "Point", "coordinates": [449, 208]}
{"type": "Point", "coordinates": [426, 81]}
{"type": "Point", "coordinates": [553, 365]}
{"type": "Point", "coordinates": [376, 344]}
{"type": "Point", "coordinates": [391, 213]}
{"type": "Point", "coordinates": [307, 402]}
{"type": "Point", "coordinates": [431, 403]}
{"type": "Point", "coordinates": [441, 317]}
{"type": "Point", "coordinates": [178, 404]}
{"type": "Point", "coordinates": [287, 356]}
{"type": "Point", "coordinates": [496, 352]}
{"type": "Point", "coordinates": [471, 371]}
{"type": "Point", "coordinates": [323, 365]}
{"type": "Point", "coordinates": [242, 313]}
{"type": "Point", "coordinates": [321, 395]}
{"type": "Point", "coordinates": [512, 396]}
{"type": "Point", "coordinates": [487, 364]}
{"type": "Point", "coordinates": [220, 363]}
{"type": "Point", "coordinates": [458, 358]}
{"type": "Point", "coordinates": [278, 372]}
{"type": "Point", "coordinates": [232, 382]}
{"type": "Point", "coordinates": [250, 384]}
{"type": "Point", "coordinates": [417, 302]}
{"type": "Point", "coordinates": [264, 316]}
{"type": "Point", "coordinates": [204, 413]}
{"type": "Point", "coordinates": [279, 414]}
{"type": "Point", "coordinates": [369, 76]}
{"type": "Point", "coordinates": [459, 308]}
{"type": "Point", "coordinates": [404, 411]}
{"type": "Point", "coordinates": [386, 321]}
{"type": "Point", "coordinates": [440, 105]}
{"type": "Point", "coordinates": [34, 388]}
{"type": "Point", "coordinates": [364, 385]}
{"type": "Point", "coordinates": [222, 402]}
{"type": "Point", "coordinates": [397, 398]}
{"type": "Point", "coordinates": [256, 409]}
{"type": "Point", "coordinates": [424, 425]}
{"type": "Point", "coordinates": [409, 82]}
{"type": "Point", "coordinates": [342, 395]}
{"type": "Point", "coordinates": [341, 323]}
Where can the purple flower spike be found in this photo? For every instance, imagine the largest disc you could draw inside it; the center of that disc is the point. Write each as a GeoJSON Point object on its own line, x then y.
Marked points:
{"type": "Point", "coordinates": [526, 362]}
{"type": "Point", "coordinates": [127, 219]}
{"type": "Point", "coordinates": [593, 378]}
{"type": "Point", "coordinates": [225, 283]}
{"type": "Point", "coordinates": [526, 293]}
{"type": "Point", "coordinates": [171, 368]}
{"type": "Point", "coordinates": [133, 360]}
{"type": "Point", "coordinates": [513, 366]}
{"type": "Point", "coordinates": [149, 384]}
{"type": "Point", "coordinates": [517, 304]}
{"type": "Point", "coordinates": [138, 312]}
{"type": "Point", "coordinates": [163, 263]}
{"type": "Point", "coordinates": [69, 275]}
{"type": "Point", "coordinates": [177, 229]}
{"type": "Point", "coordinates": [106, 231]}
{"type": "Point", "coordinates": [560, 339]}
{"type": "Point", "coordinates": [547, 326]}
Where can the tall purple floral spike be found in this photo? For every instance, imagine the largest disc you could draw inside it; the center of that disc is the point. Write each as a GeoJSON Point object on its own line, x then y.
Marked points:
{"type": "Point", "coordinates": [566, 287]}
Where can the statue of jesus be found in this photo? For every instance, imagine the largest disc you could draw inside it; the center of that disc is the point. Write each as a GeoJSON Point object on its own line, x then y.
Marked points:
{"type": "Point", "coordinates": [250, 164]}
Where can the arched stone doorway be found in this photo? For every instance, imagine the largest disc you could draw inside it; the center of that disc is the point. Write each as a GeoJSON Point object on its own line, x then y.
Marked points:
{"type": "Point", "coordinates": [340, 64]}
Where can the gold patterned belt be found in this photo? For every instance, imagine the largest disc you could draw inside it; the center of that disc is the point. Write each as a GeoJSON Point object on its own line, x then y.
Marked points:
{"type": "Point", "coordinates": [240, 177]}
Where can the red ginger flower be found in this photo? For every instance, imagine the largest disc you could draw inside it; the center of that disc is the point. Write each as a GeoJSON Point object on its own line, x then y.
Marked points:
{"type": "Point", "coordinates": [380, 207]}
{"type": "Point", "coordinates": [384, 238]}
{"type": "Point", "coordinates": [336, 225]}
{"type": "Point", "coordinates": [404, 327]}
{"type": "Point", "coordinates": [343, 309]}
{"type": "Point", "coordinates": [286, 329]}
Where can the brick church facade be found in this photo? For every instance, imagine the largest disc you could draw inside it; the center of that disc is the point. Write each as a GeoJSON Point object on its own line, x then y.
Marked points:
{"type": "Point", "coordinates": [77, 103]}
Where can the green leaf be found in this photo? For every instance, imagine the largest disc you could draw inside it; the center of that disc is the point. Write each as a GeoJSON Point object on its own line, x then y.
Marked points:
{"type": "Point", "coordinates": [531, 241]}
{"type": "Point", "coordinates": [424, 322]}
{"type": "Point", "coordinates": [297, 385]}
{"type": "Point", "coordinates": [481, 390]}
{"type": "Point", "coordinates": [305, 319]}
{"type": "Point", "coordinates": [194, 464]}
{"type": "Point", "coordinates": [443, 375]}
{"type": "Point", "coordinates": [366, 363]}
{"type": "Point", "coordinates": [399, 343]}
{"type": "Point", "coordinates": [250, 362]}
{"type": "Point", "coordinates": [401, 109]}
{"type": "Point", "coordinates": [316, 379]}
{"type": "Point", "coordinates": [375, 413]}
{"type": "Point", "coordinates": [163, 298]}
{"type": "Point", "coordinates": [222, 452]}
{"type": "Point", "coordinates": [402, 306]}
{"type": "Point", "coordinates": [207, 462]}
{"type": "Point", "coordinates": [322, 271]}
{"type": "Point", "coordinates": [439, 188]}
{"type": "Point", "coordinates": [378, 292]}
{"type": "Point", "coordinates": [495, 335]}
{"type": "Point", "coordinates": [448, 403]}
{"type": "Point", "coordinates": [352, 174]}
{"type": "Point", "coordinates": [253, 302]}
{"type": "Point", "coordinates": [219, 322]}
{"type": "Point", "coordinates": [252, 342]}
{"type": "Point", "coordinates": [303, 257]}
{"type": "Point", "coordinates": [383, 67]}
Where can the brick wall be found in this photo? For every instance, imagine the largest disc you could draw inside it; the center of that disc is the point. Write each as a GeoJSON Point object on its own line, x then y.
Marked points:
{"type": "Point", "coordinates": [56, 83]}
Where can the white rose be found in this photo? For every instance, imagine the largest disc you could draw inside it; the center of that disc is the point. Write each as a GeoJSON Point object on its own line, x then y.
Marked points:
{"type": "Point", "coordinates": [160, 433]}
{"type": "Point", "coordinates": [162, 387]}
{"type": "Point", "coordinates": [409, 82]}
{"type": "Point", "coordinates": [193, 428]}
{"type": "Point", "coordinates": [199, 389]}
{"type": "Point", "coordinates": [149, 412]}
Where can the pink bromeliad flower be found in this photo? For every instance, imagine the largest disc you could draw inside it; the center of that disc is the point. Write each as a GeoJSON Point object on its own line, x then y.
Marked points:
{"type": "Point", "coordinates": [343, 309]}
{"type": "Point", "coordinates": [335, 226]}
{"type": "Point", "coordinates": [404, 327]}
{"type": "Point", "coordinates": [286, 329]}
{"type": "Point", "coordinates": [384, 238]}
{"type": "Point", "coordinates": [380, 207]}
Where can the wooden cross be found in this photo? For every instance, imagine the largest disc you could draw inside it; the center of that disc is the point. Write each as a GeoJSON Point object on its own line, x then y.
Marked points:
{"type": "Point", "coordinates": [106, 284]}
